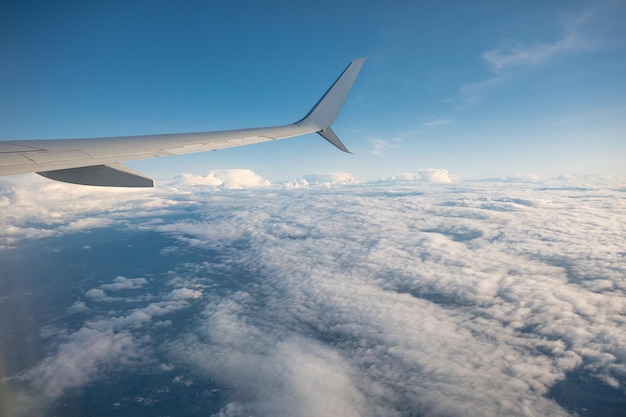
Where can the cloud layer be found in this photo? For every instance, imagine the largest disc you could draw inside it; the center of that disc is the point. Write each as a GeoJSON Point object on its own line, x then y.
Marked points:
{"type": "Point", "coordinates": [385, 299]}
{"type": "Point", "coordinates": [226, 179]}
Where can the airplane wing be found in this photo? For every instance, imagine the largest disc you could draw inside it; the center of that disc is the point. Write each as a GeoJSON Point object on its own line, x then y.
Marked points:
{"type": "Point", "coordinates": [96, 161]}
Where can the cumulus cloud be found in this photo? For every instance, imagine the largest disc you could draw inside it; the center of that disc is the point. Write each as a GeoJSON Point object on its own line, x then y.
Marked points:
{"type": "Point", "coordinates": [276, 376]}
{"type": "Point", "coordinates": [184, 293]}
{"type": "Point", "coordinates": [296, 183]}
{"type": "Point", "coordinates": [330, 179]}
{"type": "Point", "coordinates": [138, 317]}
{"type": "Point", "coordinates": [78, 307]}
{"type": "Point", "coordinates": [60, 208]}
{"type": "Point", "coordinates": [123, 283]}
{"type": "Point", "coordinates": [100, 295]}
{"type": "Point", "coordinates": [77, 361]}
{"type": "Point", "coordinates": [434, 175]}
{"type": "Point", "coordinates": [231, 179]}
{"type": "Point", "coordinates": [391, 298]}
{"type": "Point", "coordinates": [436, 303]}
{"type": "Point", "coordinates": [326, 180]}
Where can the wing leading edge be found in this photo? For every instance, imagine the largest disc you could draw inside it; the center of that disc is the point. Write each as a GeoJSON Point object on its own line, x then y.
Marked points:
{"type": "Point", "coordinates": [96, 161]}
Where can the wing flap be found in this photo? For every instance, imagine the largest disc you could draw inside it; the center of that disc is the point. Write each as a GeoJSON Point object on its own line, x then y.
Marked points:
{"type": "Point", "coordinates": [114, 175]}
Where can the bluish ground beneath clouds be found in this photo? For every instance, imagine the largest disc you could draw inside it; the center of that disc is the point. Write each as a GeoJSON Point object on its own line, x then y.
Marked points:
{"type": "Point", "coordinates": [393, 298]}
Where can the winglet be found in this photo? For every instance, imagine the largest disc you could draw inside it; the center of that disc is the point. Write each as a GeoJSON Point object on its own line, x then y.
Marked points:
{"type": "Point", "coordinates": [326, 110]}
{"type": "Point", "coordinates": [330, 136]}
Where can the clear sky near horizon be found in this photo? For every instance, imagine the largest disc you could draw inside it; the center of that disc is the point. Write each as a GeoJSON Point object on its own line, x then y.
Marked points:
{"type": "Point", "coordinates": [483, 89]}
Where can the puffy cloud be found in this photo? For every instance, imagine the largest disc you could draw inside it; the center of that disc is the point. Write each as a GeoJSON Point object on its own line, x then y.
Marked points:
{"type": "Point", "coordinates": [184, 293]}
{"type": "Point", "coordinates": [77, 361]}
{"type": "Point", "coordinates": [123, 283]}
{"type": "Point", "coordinates": [98, 294]}
{"type": "Point", "coordinates": [393, 298]}
{"type": "Point", "coordinates": [276, 376]}
{"type": "Point", "coordinates": [469, 300]}
{"type": "Point", "coordinates": [434, 175]}
{"type": "Point", "coordinates": [296, 183]}
{"type": "Point", "coordinates": [138, 317]}
{"type": "Point", "coordinates": [330, 179]}
{"type": "Point", "coordinates": [231, 179]}
{"type": "Point", "coordinates": [38, 207]}
{"type": "Point", "coordinates": [78, 307]}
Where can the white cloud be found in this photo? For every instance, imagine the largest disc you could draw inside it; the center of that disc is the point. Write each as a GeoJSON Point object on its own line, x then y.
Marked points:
{"type": "Point", "coordinates": [437, 302]}
{"type": "Point", "coordinates": [380, 146]}
{"type": "Point", "coordinates": [471, 299]}
{"type": "Point", "coordinates": [98, 294]}
{"type": "Point", "coordinates": [438, 175]}
{"type": "Point", "coordinates": [123, 283]}
{"type": "Point", "coordinates": [166, 367]}
{"type": "Point", "coordinates": [578, 34]}
{"type": "Point", "coordinates": [275, 375]}
{"type": "Point", "coordinates": [47, 208]}
{"type": "Point", "coordinates": [184, 293]}
{"type": "Point", "coordinates": [136, 318]}
{"type": "Point", "coordinates": [78, 307]}
{"type": "Point", "coordinates": [436, 122]}
{"type": "Point", "coordinates": [231, 179]}
{"type": "Point", "coordinates": [77, 361]}
{"type": "Point", "coordinates": [296, 183]}
{"type": "Point", "coordinates": [86, 223]}
{"type": "Point", "coordinates": [330, 179]}
{"type": "Point", "coordinates": [512, 54]}
{"type": "Point", "coordinates": [432, 175]}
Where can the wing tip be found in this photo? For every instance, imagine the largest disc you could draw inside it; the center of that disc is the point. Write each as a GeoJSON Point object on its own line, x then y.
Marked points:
{"type": "Point", "coordinates": [328, 107]}
{"type": "Point", "coordinates": [329, 135]}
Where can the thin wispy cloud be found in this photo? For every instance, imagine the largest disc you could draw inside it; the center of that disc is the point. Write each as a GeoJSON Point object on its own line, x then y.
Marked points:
{"type": "Point", "coordinates": [514, 54]}
{"type": "Point", "coordinates": [436, 122]}
{"type": "Point", "coordinates": [473, 93]}
{"type": "Point", "coordinates": [380, 146]}
{"type": "Point", "coordinates": [592, 115]}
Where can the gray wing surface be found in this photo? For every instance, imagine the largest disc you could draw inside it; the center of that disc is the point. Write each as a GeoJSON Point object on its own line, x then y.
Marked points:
{"type": "Point", "coordinates": [96, 161]}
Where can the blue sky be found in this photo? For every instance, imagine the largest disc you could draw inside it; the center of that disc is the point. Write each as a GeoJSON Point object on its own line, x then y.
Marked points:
{"type": "Point", "coordinates": [484, 89]}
